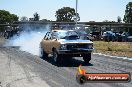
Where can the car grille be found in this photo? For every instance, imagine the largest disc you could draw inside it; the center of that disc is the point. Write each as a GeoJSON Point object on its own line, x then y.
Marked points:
{"type": "Point", "coordinates": [75, 46]}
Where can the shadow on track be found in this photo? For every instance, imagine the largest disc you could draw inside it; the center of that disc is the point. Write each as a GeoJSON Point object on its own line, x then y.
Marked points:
{"type": "Point", "coordinates": [69, 62]}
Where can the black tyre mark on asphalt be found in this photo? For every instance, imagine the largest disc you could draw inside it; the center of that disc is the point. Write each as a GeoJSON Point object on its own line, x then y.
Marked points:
{"type": "Point", "coordinates": [10, 83]}
{"type": "Point", "coordinates": [0, 84]}
{"type": "Point", "coordinates": [50, 69]}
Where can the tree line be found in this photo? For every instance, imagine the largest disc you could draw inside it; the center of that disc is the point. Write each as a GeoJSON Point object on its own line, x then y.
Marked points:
{"type": "Point", "coordinates": [6, 17]}
{"type": "Point", "coordinates": [65, 14]}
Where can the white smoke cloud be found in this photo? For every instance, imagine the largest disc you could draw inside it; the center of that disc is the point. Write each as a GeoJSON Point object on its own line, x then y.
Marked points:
{"type": "Point", "coordinates": [29, 39]}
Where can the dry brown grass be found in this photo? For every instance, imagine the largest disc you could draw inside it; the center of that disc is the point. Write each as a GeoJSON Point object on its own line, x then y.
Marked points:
{"type": "Point", "coordinates": [114, 48]}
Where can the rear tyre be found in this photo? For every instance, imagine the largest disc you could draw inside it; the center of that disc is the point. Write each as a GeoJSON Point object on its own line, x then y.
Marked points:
{"type": "Point", "coordinates": [87, 57]}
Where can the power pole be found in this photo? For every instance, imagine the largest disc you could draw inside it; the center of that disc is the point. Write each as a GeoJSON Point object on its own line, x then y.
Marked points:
{"type": "Point", "coordinates": [76, 12]}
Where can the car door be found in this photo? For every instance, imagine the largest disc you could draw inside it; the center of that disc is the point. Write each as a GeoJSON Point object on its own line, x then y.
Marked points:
{"type": "Point", "coordinates": [55, 42]}
{"type": "Point", "coordinates": [47, 43]}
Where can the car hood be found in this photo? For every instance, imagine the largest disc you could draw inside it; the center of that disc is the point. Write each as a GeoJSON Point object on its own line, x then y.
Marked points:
{"type": "Point", "coordinates": [64, 41]}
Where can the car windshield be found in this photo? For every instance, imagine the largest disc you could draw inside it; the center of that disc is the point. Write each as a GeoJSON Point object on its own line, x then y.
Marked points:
{"type": "Point", "coordinates": [82, 32]}
{"type": "Point", "coordinates": [66, 35]}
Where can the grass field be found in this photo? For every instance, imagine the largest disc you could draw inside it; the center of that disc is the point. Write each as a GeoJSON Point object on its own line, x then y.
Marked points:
{"type": "Point", "coordinates": [114, 48]}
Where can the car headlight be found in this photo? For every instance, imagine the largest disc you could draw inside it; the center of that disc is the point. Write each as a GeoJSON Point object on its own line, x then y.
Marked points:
{"type": "Point", "coordinates": [90, 46]}
{"type": "Point", "coordinates": [63, 47]}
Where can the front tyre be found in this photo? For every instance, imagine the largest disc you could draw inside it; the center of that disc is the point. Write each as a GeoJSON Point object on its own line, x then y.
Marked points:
{"type": "Point", "coordinates": [56, 57]}
{"type": "Point", "coordinates": [87, 57]}
{"type": "Point", "coordinates": [42, 53]}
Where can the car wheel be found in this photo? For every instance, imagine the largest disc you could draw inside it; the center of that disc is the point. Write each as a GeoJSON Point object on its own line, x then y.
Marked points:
{"type": "Point", "coordinates": [87, 57]}
{"type": "Point", "coordinates": [42, 53]}
{"type": "Point", "coordinates": [56, 57]}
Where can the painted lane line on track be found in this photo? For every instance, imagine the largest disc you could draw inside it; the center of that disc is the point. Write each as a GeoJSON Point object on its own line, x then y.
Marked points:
{"type": "Point", "coordinates": [125, 58]}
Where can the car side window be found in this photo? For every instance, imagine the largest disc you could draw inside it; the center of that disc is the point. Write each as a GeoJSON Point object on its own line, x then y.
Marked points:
{"type": "Point", "coordinates": [54, 35]}
{"type": "Point", "coordinates": [48, 36]}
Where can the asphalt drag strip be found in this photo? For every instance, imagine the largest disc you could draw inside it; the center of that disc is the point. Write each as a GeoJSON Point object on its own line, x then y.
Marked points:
{"type": "Point", "coordinates": [22, 69]}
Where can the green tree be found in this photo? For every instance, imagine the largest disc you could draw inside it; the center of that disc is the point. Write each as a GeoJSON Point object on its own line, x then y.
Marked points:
{"type": "Point", "coordinates": [128, 15]}
{"type": "Point", "coordinates": [36, 16]}
{"type": "Point", "coordinates": [13, 17]}
{"type": "Point", "coordinates": [6, 17]}
{"type": "Point", "coordinates": [66, 14]}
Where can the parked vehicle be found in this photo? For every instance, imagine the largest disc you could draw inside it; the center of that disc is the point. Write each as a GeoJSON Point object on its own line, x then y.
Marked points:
{"type": "Point", "coordinates": [108, 36]}
{"type": "Point", "coordinates": [115, 36]}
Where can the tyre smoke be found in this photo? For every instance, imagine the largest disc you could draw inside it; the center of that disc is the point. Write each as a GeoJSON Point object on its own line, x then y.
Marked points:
{"type": "Point", "coordinates": [29, 39]}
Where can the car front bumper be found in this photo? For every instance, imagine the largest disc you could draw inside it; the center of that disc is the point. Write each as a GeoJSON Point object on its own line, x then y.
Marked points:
{"type": "Point", "coordinates": [77, 51]}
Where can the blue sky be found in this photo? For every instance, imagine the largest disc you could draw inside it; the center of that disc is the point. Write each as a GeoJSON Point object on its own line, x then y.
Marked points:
{"type": "Point", "coordinates": [89, 10]}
